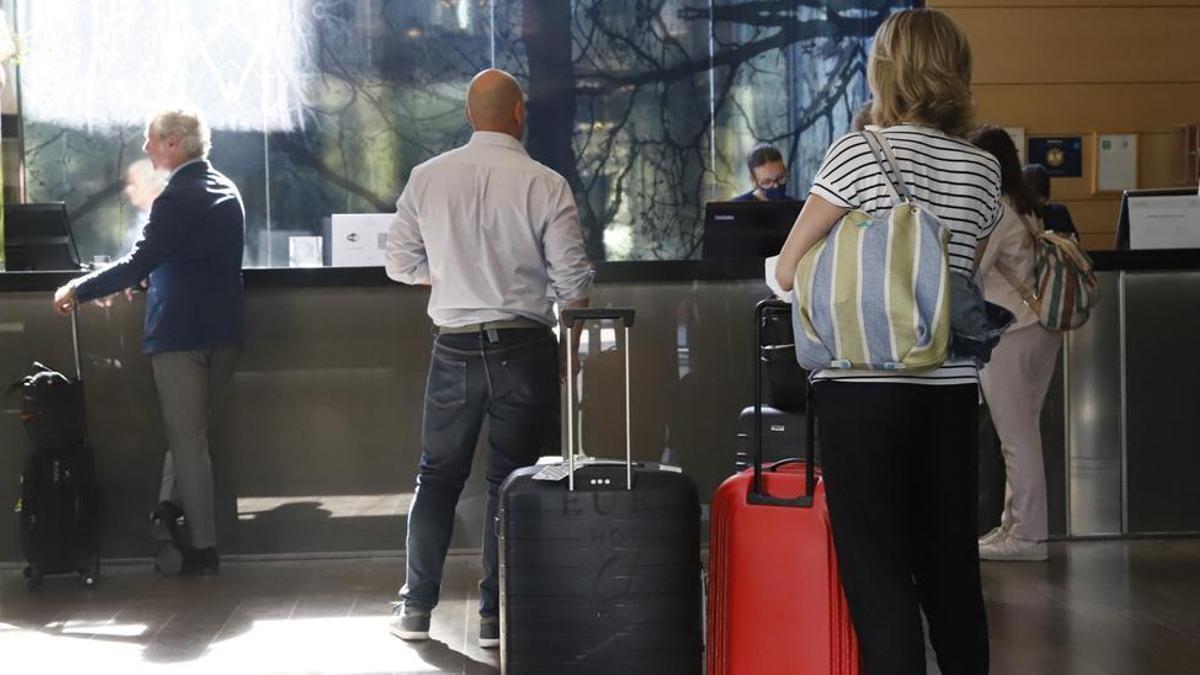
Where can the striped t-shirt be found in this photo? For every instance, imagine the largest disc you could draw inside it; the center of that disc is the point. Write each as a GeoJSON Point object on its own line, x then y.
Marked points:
{"type": "Point", "coordinates": [957, 182]}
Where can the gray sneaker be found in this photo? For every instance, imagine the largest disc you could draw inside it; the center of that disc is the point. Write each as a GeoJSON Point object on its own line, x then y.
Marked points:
{"type": "Point", "coordinates": [409, 623]}
{"type": "Point", "coordinates": [489, 632]}
{"type": "Point", "coordinates": [996, 534]}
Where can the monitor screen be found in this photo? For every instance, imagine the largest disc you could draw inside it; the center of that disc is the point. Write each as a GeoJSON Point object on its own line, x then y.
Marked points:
{"type": "Point", "coordinates": [748, 229]}
{"type": "Point", "coordinates": [38, 237]}
{"type": "Point", "coordinates": [1122, 239]}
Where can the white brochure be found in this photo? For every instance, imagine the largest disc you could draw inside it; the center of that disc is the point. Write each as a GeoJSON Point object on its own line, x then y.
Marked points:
{"type": "Point", "coordinates": [359, 239]}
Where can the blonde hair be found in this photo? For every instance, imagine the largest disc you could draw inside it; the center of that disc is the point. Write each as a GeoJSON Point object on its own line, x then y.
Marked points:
{"type": "Point", "coordinates": [920, 72]}
{"type": "Point", "coordinates": [188, 126]}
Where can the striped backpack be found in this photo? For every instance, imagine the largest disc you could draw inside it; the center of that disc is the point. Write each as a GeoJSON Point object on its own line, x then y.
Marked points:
{"type": "Point", "coordinates": [874, 293]}
{"type": "Point", "coordinates": [1065, 287]}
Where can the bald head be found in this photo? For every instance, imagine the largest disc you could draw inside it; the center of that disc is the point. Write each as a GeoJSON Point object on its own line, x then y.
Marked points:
{"type": "Point", "coordinates": [495, 102]}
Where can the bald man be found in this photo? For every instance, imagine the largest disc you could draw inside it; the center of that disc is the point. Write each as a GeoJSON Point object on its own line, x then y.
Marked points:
{"type": "Point", "coordinates": [496, 236]}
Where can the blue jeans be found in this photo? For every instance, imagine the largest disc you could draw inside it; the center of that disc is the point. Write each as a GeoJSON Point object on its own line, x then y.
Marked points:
{"type": "Point", "coordinates": [512, 382]}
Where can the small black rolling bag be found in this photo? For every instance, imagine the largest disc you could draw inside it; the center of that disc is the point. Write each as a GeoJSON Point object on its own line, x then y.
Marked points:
{"type": "Point", "coordinates": [57, 512]}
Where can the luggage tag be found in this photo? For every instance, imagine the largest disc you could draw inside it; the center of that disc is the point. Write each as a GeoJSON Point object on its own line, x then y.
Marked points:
{"type": "Point", "coordinates": [552, 472]}
{"type": "Point", "coordinates": [560, 470]}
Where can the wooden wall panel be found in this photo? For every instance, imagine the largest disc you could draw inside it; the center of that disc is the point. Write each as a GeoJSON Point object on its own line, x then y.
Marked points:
{"type": "Point", "coordinates": [1094, 216]}
{"type": "Point", "coordinates": [1110, 107]}
{"type": "Point", "coordinates": [1016, 45]}
{"type": "Point", "coordinates": [1074, 67]}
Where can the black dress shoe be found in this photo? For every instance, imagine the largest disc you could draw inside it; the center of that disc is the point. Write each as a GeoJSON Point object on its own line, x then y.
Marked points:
{"type": "Point", "coordinates": [167, 531]}
{"type": "Point", "coordinates": [201, 561]}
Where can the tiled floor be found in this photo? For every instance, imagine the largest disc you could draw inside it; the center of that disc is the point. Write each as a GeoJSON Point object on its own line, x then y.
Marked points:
{"type": "Point", "coordinates": [1118, 608]}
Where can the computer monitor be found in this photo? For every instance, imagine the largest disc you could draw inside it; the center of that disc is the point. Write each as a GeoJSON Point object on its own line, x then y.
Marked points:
{"type": "Point", "coordinates": [1122, 239]}
{"type": "Point", "coordinates": [748, 229]}
{"type": "Point", "coordinates": [38, 237]}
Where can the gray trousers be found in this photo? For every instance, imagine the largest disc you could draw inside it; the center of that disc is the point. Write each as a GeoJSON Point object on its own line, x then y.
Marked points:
{"type": "Point", "coordinates": [190, 385]}
{"type": "Point", "coordinates": [1015, 383]}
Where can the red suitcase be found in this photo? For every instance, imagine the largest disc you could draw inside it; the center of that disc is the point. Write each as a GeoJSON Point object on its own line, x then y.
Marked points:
{"type": "Point", "coordinates": [775, 604]}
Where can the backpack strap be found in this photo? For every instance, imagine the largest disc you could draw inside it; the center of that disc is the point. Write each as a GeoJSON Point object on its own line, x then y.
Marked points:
{"type": "Point", "coordinates": [883, 151]}
{"type": "Point", "coordinates": [1030, 298]}
{"type": "Point", "coordinates": [1033, 230]}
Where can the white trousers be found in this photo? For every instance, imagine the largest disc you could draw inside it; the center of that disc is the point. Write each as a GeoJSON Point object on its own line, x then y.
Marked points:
{"type": "Point", "coordinates": [1014, 383]}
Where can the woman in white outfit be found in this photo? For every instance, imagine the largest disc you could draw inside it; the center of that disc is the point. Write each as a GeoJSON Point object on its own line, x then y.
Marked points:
{"type": "Point", "coordinates": [1015, 381]}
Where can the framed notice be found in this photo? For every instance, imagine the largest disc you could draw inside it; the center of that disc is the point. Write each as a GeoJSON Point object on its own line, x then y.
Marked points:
{"type": "Point", "coordinates": [1061, 155]}
{"type": "Point", "coordinates": [1116, 167]}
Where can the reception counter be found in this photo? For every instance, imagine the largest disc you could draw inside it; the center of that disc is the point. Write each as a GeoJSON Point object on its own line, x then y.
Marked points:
{"type": "Point", "coordinates": [1131, 402]}
{"type": "Point", "coordinates": [316, 445]}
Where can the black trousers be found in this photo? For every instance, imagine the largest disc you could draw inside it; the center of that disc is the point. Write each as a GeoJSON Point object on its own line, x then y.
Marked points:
{"type": "Point", "coordinates": [900, 469]}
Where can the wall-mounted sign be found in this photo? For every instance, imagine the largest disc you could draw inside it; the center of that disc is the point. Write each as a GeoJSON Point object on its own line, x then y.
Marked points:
{"type": "Point", "coordinates": [1116, 162]}
{"type": "Point", "coordinates": [1062, 156]}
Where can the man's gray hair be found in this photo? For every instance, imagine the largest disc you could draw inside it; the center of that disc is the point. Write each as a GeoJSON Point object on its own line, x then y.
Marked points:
{"type": "Point", "coordinates": [188, 126]}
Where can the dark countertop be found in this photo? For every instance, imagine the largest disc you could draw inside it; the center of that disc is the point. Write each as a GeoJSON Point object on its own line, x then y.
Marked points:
{"type": "Point", "coordinates": [283, 277]}
{"type": "Point", "coordinates": [1147, 261]}
{"type": "Point", "coordinates": [607, 272]}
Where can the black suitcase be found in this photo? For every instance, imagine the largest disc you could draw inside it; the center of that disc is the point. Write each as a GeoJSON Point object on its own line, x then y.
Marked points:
{"type": "Point", "coordinates": [785, 386]}
{"type": "Point", "coordinates": [59, 528]}
{"type": "Point", "coordinates": [783, 436]}
{"type": "Point", "coordinates": [599, 570]}
{"type": "Point", "coordinates": [57, 512]}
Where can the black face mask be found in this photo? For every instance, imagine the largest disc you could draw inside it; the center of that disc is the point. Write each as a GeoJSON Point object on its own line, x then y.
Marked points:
{"type": "Point", "coordinates": [775, 193]}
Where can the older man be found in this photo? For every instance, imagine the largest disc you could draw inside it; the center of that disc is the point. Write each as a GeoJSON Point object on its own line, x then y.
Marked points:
{"type": "Point", "coordinates": [496, 235]}
{"type": "Point", "coordinates": [191, 254]}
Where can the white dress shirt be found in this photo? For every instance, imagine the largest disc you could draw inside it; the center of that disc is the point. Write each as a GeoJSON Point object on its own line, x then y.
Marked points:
{"type": "Point", "coordinates": [494, 233]}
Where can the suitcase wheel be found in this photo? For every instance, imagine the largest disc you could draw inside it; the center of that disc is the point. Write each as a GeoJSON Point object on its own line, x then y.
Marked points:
{"type": "Point", "coordinates": [90, 573]}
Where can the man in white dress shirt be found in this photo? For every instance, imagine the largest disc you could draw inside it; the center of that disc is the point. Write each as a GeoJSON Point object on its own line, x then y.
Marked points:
{"type": "Point", "coordinates": [496, 235]}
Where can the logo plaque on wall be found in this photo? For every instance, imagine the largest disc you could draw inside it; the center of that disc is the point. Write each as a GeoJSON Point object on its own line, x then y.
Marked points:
{"type": "Point", "coordinates": [1062, 156]}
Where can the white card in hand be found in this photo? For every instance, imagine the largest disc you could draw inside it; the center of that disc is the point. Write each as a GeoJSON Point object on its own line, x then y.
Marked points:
{"type": "Point", "coordinates": [769, 266]}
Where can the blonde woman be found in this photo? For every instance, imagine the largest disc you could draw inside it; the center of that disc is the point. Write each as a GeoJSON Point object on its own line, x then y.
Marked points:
{"type": "Point", "coordinates": [900, 450]}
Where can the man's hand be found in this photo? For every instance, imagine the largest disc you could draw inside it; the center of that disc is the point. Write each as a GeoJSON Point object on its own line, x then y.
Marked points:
{"type": "Point", "coordinates": [575, 334]}
{"type": "Point", "coordinates": [64, 298]}
{"type": "Point", "coordinates": [576, 363]}
{"type": "Point", "coordinates": [144, 283]}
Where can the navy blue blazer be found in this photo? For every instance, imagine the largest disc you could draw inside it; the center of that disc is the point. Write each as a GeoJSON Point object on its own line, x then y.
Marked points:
{"type": "Point", "coordinates": [191, 251]}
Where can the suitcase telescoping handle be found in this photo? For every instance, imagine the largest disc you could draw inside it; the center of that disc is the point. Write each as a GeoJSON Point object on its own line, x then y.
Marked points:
{"type": "Point", "coordinates": [569, 318]}
{"type": "Point", "coordinates": [75, 343]}
{"type": "Point", "coordinates": [758, 494]}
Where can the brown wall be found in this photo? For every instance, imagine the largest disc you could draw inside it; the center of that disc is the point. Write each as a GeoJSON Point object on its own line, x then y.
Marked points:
{"type": "Point", "coordinates": [1074, 67]}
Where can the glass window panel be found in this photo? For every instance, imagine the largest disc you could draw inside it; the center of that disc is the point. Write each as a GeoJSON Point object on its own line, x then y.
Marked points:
{"type": "Point", "coordinates": [647, 107]}
{"type": "Point", "coordinates": [384, 86]}
{"type": "Point", "coordinates": [619, 104]}
{"type": "Point", "coordinates": [792, 75]}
